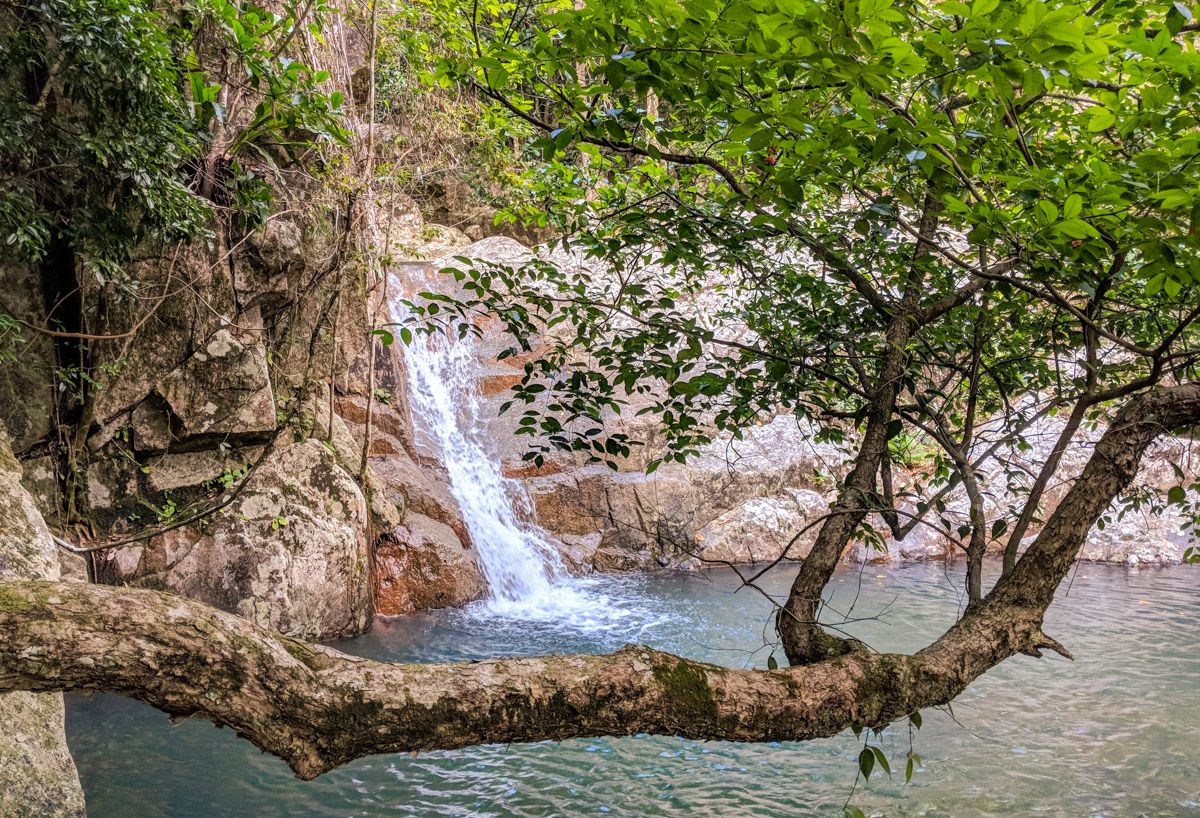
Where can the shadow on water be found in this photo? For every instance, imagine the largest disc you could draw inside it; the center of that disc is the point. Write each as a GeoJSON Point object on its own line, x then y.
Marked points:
{"type": "Point", "coordinates": [1113, 734]}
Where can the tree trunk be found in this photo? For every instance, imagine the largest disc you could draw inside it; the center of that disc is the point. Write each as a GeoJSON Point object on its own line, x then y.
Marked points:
{"type": "Point", "coordinates": [804, 640]}
{"type": "Point", "coordinates": [1048, 470]}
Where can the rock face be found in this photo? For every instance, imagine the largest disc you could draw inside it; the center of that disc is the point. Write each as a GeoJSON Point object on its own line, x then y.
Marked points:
{"type": "Point", "coordinates": [223, 388]}
{"type": "Point", "coordinates": [426, 560]}
{"type": "Point", "coordinates": [26, 366]}
{"type": "Point", "coordinates": [713, 508]}
{"type": "Point", "coordinates": [290, 552]}
{"type": "Point", "coordinates": [760, 529]}
{"type": "Point", "coordinates": [423, 564]}
{"type": "Point", "coordinates": [262, 335]}
{"type": "Point", "coordinates": [37, 775]}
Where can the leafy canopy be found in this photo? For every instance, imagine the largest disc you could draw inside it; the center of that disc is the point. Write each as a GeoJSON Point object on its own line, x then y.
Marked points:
{"type": "Point", "coordinates": [768, 184]}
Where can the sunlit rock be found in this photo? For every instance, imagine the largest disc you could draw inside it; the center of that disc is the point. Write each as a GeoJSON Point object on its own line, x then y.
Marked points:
{"type": "Point", "coordinates": [423, 564]}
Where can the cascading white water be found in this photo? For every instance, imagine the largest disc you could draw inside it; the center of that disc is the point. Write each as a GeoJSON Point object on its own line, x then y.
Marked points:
{"type": "Point", "coordinates": [523, 569]}
{"type": "Point", "coordinates": [517, 561]}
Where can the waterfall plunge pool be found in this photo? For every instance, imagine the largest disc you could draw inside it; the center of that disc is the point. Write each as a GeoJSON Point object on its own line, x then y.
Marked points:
{"type": "Point", "coordinates": [1113, 734]}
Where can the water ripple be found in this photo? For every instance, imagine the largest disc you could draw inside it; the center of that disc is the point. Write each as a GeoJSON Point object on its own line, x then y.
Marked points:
{"type": "Point", "coordinates": [1112, 734]}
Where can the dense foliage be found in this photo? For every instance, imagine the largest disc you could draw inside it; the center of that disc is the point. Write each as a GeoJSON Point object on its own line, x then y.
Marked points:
{"type": "Point", "coordinates": [95, 128]}
{"type": "Point", "coordinates": [123, 120]}
{"type": "Point", "coordinates": [929, 221]}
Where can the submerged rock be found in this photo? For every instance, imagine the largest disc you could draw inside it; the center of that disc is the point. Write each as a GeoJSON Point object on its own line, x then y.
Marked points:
{"type": "Point", "coordinates": [37, 774]}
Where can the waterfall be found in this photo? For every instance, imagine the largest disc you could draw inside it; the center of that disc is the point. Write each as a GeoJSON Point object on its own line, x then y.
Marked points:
{"type": "Point", "coordinates": [523, 569]}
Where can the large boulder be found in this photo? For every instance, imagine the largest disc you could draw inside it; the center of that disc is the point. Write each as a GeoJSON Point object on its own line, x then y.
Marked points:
{"type": "Point", "coordinates": [718, 506]}
{"type": "Point", "coordinates": [289, 553]}
{"type": "Point", "coordinates": [1138, 539]}
{"type": "Point", "coordinates": [763, 528]}
{"type": "Point", "coordinates": [223, 388]}
{"type": "Point", "coordinates": [37, 774]}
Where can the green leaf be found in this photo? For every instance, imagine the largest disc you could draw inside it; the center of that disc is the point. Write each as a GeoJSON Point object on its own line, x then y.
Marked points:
{"type": "Point", "coordinates": [385, 337]}
{"type": "Point", "coordinates": [1073, 206]}
{"type": "Point", "coordinates": [914, 760]}
{"type": "Point", "coordinates": [881, 757]}
{"type": "Point", "coordinates": [1077, 229]}
{"type": "Point", "coordinates": [772, 663]}
{"type": "Point", "coordinates": [1174, 198]}
{"type": "Point", "coordinates": [915, 718]}
{"type": "Point", "coordinates": [761, 139]}
{"type": "Point", "coordinates": [497, 78]}
{"type": "Point", "coordinates": [1178, 16]}
{"type": "Point", "coordinates": [1100, 119]}
{"type": "Point", "coordinates": [1176, 495]}
{"type": "Point", "coordinates": [866, 763]}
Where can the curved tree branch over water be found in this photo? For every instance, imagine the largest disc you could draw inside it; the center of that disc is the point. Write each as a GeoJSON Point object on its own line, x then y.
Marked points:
{"type": "Point", "coordinates": [317, 708]}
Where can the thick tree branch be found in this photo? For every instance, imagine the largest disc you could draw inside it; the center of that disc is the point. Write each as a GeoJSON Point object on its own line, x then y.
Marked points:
{"type": "Point", "coordinates": [1111, 468]}
{"type": "Point", "coordinates": [317, 708]}
{"type": "Point", "coordinates": [803, 639]}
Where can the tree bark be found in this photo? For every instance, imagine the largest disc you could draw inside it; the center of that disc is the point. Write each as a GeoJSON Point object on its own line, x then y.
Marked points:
{"type": "Point", "coordinates": [803, 638]}
{"type": "Point", "coordinates": [316, 708]}
{"type": "Point", "coordinates": [1048, 470]}
{"type": "Point", "coordinates": [1109, 471]}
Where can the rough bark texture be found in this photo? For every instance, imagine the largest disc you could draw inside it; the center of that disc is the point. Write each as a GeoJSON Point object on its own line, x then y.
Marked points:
{"type": "Point", "coordinates": [1110, 470]}
{"type": "Point", "coordinates": [317, 708]}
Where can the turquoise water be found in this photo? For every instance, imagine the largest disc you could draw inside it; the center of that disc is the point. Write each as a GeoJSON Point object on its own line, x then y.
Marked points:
{"type": "Point", "coordinates": [1115, 733]}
